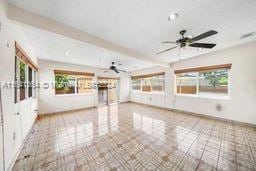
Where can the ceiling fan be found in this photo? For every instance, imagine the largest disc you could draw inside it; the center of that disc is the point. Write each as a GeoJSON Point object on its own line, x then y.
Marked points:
{"type": "Point", "coordinates": [113, 68]}
{"type": "Point", "coordinates": [192, 42]}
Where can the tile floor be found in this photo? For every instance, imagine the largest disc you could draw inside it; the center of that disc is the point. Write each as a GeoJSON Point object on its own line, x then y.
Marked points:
{"type": "Point", "coordinates": [134, 137]}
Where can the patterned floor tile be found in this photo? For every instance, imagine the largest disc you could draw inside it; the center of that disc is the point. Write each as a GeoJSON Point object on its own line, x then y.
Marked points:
{"type": "Point", "coordinates": [136, 137]}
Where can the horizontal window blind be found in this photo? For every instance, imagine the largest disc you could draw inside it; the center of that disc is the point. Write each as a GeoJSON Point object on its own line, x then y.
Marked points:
{"type": "Point", "coordinates": [20, 53]}
{"type": "Point", "coordinates": [65, 72]}
{"type": "Point", "coordinates": [206, 68]}
{"type": "Point", "coordinates": [146, 75]}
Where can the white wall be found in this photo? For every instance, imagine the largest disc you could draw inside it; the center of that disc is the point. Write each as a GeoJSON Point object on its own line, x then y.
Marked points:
{"type": "Point", "coordinates": [50, 103]}
{"type": "Point", "coordinates": [239, 107]}
{"type": "Point", "coordinates": [16, 127]}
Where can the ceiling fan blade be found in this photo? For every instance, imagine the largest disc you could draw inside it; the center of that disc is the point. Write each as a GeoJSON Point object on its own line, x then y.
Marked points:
{"type": "Point", "coordinates": [105, 71]}
{"type": "Point", "coordinates": [121, 70]}
{"type": "Point", "coordinates": [169, 42]}
{"type": "Point", "coordinates": [203, 45]}
{"type": "Point", "coordinates": [116, 70]}
{"type": "Point", "coordinates": [204, 35]}
{"type": "Point", "coordinates": [167, 50]}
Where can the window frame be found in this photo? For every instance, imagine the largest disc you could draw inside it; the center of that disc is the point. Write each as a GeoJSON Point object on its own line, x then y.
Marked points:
{"type": "Point", "coordinates": [35, 89]}
{"type": "Point", "coordinates": [163, 85]}
{"type": "Point", "coordinates": [25, 82]}
{"type": "Point", "coordinates": [75, 86]}
{"type": "Point", "coordinates": [197, 86]}
{"type": "Point", "coordinates": [22, 56]}
{"type": "Point", "coordinates": [150, 77]}
{"type": "Point", "coordinates": [30, 85]}
{"type": "Point", "coordinates": [136, 90]}
{"type": "Point", "coordinates": [224, 96]}
{"type": "Point", "coordinates": [17, 91]}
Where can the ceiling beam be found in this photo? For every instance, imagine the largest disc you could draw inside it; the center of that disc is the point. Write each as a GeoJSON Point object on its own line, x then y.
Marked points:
{"type": "Point", "coordinates": [29, 18]}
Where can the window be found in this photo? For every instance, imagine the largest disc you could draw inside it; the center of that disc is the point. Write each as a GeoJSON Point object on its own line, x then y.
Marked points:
{"type": "Point", "coordinates": [203, 82]}
{"type": "Point", "coordinates": [146, 84]}
{"type": "Point", "coordinates": [22, 69]}
{"type": "Point", "coordinates": [24, 77]}
{"type": "Point", "coordinates": [149, 83]}
{"type": "Point", "coordinates": [136, 84]}
{"type": "Point", "coordinates": [69, 82]}
{"type": "Point", "coordinates": [34, 83]}
{"type": "Point", "coordinates": [16, 80]}
{"type": "Point", "coordinates": [30, 82]}
{"type": "Point", "coordinates": [213, 82]}
{"type": "Point", "coordinates": [84, 85]}
{"type": "Point", "coordinates": [186, 83]}
{"type": "Point", "coordinates": [158, 83]}
{"type": "Point", "coordinates": [65, 84]}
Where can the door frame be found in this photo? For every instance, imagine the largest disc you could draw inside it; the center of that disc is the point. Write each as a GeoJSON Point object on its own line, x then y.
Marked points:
{"type": "Point", "coordinates": [108, 89]}
{"type": "Point", "coordinates": [117, 91]}
{"type": "Point", "coordinates": [98, 96]}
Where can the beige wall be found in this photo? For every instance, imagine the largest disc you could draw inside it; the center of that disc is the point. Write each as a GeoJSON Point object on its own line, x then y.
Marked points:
{"type": "Point", "coordinates": [16, 127]}
{"type": "Point", "coordinates": [50, 103]}
{"type": "Point", "coordinates": [240, 105]}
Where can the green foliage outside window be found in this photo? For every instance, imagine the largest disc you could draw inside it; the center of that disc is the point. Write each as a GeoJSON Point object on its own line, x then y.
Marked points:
{"type": "Point", "coordinates": [216, 78]}
{"type": "Point", "coordinates": [61, 81]}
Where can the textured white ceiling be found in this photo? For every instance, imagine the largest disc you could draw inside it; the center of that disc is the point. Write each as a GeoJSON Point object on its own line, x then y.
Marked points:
{"type": "Point", "coordinates": [141, 25]}
{"type": "Point", "coordinates": [53, 47]}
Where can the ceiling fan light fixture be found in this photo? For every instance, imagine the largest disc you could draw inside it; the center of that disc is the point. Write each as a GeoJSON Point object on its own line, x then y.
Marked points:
{"type": "Point", "coordinates": [67, 53]}
{"type": "Point", "coordinates": [173, 17]}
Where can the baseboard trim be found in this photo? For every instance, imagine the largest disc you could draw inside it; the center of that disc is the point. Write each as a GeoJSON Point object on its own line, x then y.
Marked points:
{"type": "Point", "coordinates": [159, 107]}
{"type": "Point", "coordinates": [73, 110]}
{"type": "Point", "coordinates": [197, 114]}
{"type": "Point", "coordinates": [65, 111]}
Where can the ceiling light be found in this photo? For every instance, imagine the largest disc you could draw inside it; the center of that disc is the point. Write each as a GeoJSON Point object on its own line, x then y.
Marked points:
{"type": "Point", "coordinates": [68, 53]}
{"type": "Point", "coordinates": [173, 17]}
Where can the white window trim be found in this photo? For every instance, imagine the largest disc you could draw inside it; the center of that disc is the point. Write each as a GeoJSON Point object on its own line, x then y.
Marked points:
{"type": "Point", "coordinates": [220, 97]}
{"type": "Point", "coordinates": [74, 94]}
{"type": "Point", "coordinates": [151, 92]}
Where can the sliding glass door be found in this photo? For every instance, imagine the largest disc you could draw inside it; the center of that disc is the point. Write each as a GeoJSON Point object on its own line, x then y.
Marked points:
{"type": "Point", "coordinates": [108, 89]}
{"type": "Point", "coordinates": [113, 91]}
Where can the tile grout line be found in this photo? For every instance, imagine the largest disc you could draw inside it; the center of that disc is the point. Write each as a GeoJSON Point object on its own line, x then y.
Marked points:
{"type": "Point", "coordinates": [205, 146]}
{"type": "Point", "coordinates": [221, 139]}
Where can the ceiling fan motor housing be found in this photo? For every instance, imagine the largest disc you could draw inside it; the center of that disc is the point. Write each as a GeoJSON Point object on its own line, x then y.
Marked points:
{"type": "Point", "coordinates": [112, 67]}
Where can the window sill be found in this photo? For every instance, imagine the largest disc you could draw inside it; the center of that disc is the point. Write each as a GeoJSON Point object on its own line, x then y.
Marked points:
{"type": "Point", "coordinates": [153, 93]}
{"type": "Point", "coordinates": [70, 95]}
{"type": "Point", "coordinates": [160, 93]}
{"type": "Point", "coordinates": [216, 97]}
